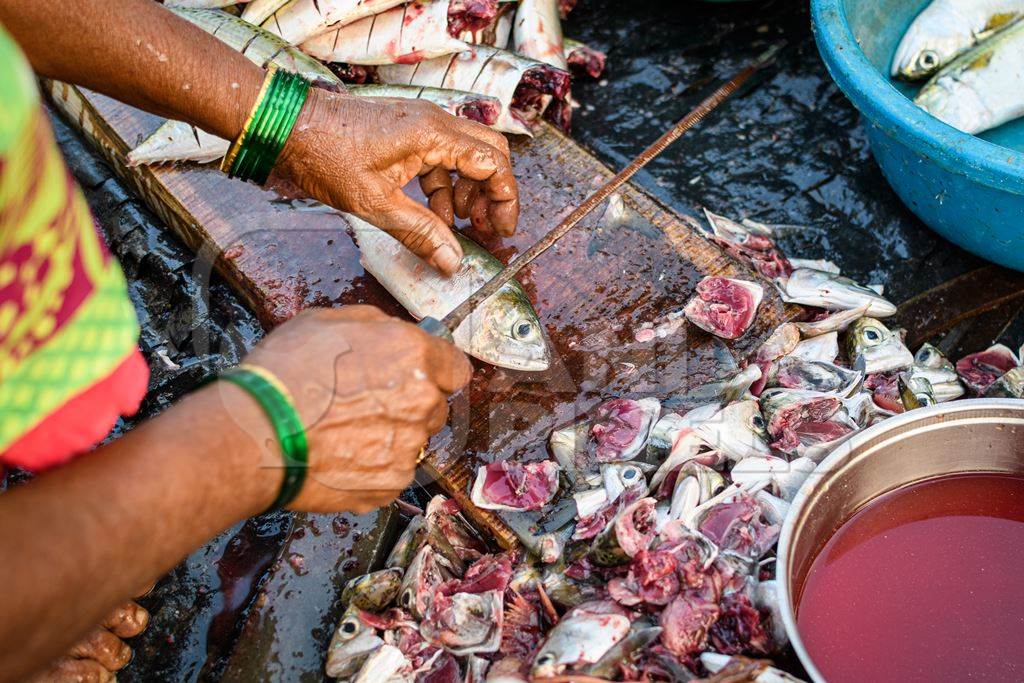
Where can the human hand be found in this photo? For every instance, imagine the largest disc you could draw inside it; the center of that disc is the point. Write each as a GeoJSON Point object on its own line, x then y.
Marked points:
{"type": "Point", "coordinates": [370, 390]}
{"type": "Point", "coordinates": [356, 154]}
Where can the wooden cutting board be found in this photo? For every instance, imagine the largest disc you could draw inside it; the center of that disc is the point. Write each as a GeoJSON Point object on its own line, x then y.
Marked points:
{"type": "Point", "coordinates": [592, 290]}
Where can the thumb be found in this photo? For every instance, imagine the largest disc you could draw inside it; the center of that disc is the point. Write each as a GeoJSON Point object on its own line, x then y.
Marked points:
{"type": "Point", "coordinates": [421, 231]}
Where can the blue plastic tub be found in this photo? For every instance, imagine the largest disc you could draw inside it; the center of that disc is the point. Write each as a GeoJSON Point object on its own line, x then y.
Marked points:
{"type": "Point", "coordinates": [968, 189]}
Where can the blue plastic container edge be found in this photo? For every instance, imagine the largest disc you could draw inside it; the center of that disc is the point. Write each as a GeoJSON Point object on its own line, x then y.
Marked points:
{"type": "Point", "coordinates": [888, 109]}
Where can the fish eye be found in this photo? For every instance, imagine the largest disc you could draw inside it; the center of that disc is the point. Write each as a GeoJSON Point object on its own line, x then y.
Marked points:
{"type": "Point", "coordinates": [758, 422]}
{"type": "Point", "coordinates": [349, 627]}
{"type": "Point", "coordinates": [522, 330]}
{"type": "Point", "coordinates": [929, 59]}
{"type": "Point", "coordinates": [407, 598]}
{"type": "Point", "coordinates": [872, 335]}
{"type": "Point", "coordinates": [545, 659]}
{"type": "Point", "coordinates": [629, 473]}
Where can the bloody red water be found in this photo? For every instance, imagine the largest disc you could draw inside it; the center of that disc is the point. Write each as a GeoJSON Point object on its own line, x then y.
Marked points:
{"type": "Point", "coordinates": [923, 584]}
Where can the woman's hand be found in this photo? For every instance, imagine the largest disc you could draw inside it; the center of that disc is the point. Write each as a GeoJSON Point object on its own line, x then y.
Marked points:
{"type": "Point", "coordinates": [357, 154]}
{"type": "Point", "coordinates": [370, 389]}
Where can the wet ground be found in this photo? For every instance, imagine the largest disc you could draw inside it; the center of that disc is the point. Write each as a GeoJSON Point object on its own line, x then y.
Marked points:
{"type": "Point", "coordinates": [788, 150]}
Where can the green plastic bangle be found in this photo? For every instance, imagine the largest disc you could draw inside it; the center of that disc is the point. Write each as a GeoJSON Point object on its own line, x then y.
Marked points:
{"type": "Point", "coordinates": [264, 135]}
{"type": "Point", "coordinates": [291, 435]}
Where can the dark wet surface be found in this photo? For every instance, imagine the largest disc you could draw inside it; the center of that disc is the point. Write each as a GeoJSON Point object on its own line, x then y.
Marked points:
{"type": "Point", "coordinates": [788, 150]}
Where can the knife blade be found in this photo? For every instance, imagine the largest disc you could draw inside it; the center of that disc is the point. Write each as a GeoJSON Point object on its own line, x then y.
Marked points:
{"type": "Point", "coordinates": [443, 328]}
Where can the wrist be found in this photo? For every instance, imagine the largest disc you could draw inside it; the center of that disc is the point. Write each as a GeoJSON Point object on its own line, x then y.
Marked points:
{"type": "Point", "coordinates": [248, 463]}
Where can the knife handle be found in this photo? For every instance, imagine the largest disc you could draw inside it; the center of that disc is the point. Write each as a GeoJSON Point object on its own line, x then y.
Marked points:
{"type": "Point", "coordinates": [436, 328]}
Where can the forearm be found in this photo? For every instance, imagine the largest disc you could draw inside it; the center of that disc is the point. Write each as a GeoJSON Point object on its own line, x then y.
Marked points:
{"type": "Point", "coordinates": [94, 531]}
{"type": "Point", "coordinates": [140, 53]}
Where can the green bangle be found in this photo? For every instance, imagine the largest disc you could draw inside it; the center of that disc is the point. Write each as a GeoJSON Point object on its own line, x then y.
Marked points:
{"type": "Point", "coordinates": [276, 403]}
{"type": "Point", "coordinates": [254, 153]}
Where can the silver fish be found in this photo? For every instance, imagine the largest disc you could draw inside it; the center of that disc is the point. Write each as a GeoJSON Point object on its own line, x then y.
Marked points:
{"type": "Point", "coordinates": [872, 347]}
{"type": "Point", "coordinates": [352, 643]}
{"type": "Point", "coordinates": [946, 29]}
{"type": "Point", "coordinates": [695, 484]}
{"type": "Point", "coordinates": [479, 108]}
{"type": "Point", "coordinates": [641, 634]}
{"type": "Point", "coordinates": [503, 331]}
{"type": "Point", "coordinates": [978, 90]}
{"type": "Point", "coordinates": [579, 639]}
{"type": "Point", "coordinates": [785, 477]}
{"type": "Point", "coordinates": [375, 591]}
{"type": "Point", "coordinates": [834, 292]}
{"type": "Point", "coordinates": [408, 544]}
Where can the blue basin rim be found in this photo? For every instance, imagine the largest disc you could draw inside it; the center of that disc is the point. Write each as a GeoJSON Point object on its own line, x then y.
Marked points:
{"type": "Point", "coordinates": [888, 109]}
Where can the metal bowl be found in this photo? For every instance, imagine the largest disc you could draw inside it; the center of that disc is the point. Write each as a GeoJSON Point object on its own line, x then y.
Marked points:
{"type": "Point", "coordinates": [981, 435]}
{"type": "Point", "coordinates": [968, 189]}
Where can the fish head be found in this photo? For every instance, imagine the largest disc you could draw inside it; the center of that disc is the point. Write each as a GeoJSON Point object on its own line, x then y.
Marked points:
{"type": "Point", "coordinates": [738, 431]}
{"type": "Point", "coordinates": [375, 591]}
{"type": "Point", "coordinates": [580, 637]}
{"type": "Point", "coordinates": [926, 46]}
{"type": "Point", "coordinates": [352, 643]}
{"type": "Point", "coordinates": [505, 331]}
{"type": "Point", "coordinates": [872, 347]}
{"type": "Point", "coordinates": [465, 623]}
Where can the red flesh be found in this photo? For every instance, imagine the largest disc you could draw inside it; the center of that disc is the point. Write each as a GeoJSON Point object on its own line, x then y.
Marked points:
{"type": "Point", "coordinates": [524, 487]}
{"type": "Point", "coordinates": [722, 307]}
{"type": "Point", "coordinates": [980, 370]}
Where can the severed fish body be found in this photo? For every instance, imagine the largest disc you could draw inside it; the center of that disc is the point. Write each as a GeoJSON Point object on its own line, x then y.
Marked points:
{"type": "Point", "coordinates": [524, 86]}
{"type": "Point", "coordinates": [406, 34]}
{"type": "Point", "coordinates": [257, 11]}
{"type": "Point", "coordinates": [980, 89]}
{"type": "Point", "coordinates": [503, 331]}
{"type": "Point", "coordinates": [946, 29]}
{"type": "Point", "coordinates": [537, 32]}
{"type": "Point", "coordinates": [495, 34]}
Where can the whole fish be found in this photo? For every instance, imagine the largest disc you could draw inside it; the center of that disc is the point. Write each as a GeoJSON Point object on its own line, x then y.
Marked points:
{"type": "Point", "coordinates": [980, 89]}
{"type": "Point", "coordinates": [179, 141]}
{"type": "Point", "coordinates": [947, 28]}
{"type": "Point", "coordinates": [401, 35]}
{"type": "Point", "coordinates": [299, 20]}
{"type": "Point", "coordinates": [503, 331]}
{"type": "Point", "coordinates": [525, 87]}
{"type": "Point", "coordinates": [537, 32]}
{"type": "Point", "coordinates": [479, 108]}
{"type": "Point", "coordinates": [834, 292]}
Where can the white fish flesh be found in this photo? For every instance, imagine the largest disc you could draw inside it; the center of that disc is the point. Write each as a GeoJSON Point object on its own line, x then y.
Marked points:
{"type": "Point", "coordinates": [300, 20]}
{"type": "Point", "coordinates": [524, 86]}
{"type": "Point", "coordinates": [537, 32]}
{"type": "Point", "coordinates": [503, 331]}
{"type": "Point", "coordinates": [982, 88]}
{"type": "Point", "coordinates": [947, 28]}
{"type": "Point", "coordinates": [402, 35]}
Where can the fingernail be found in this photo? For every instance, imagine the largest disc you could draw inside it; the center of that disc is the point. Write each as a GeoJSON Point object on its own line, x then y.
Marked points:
{"type": "Point", "coordinates": [445, 259]}
{"type": "Point", "coordinates": [141, 616]}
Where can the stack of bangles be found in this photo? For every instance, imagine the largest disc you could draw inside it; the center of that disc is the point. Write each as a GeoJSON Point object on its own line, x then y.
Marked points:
{"type": "Point", "coordinates": [253, 154]}
{"type": "Point", "coordinates": [277, 404]}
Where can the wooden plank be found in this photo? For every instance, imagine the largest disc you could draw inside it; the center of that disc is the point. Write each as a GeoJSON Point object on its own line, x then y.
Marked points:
{"type": "Point", "coordinates": [591, 290]}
